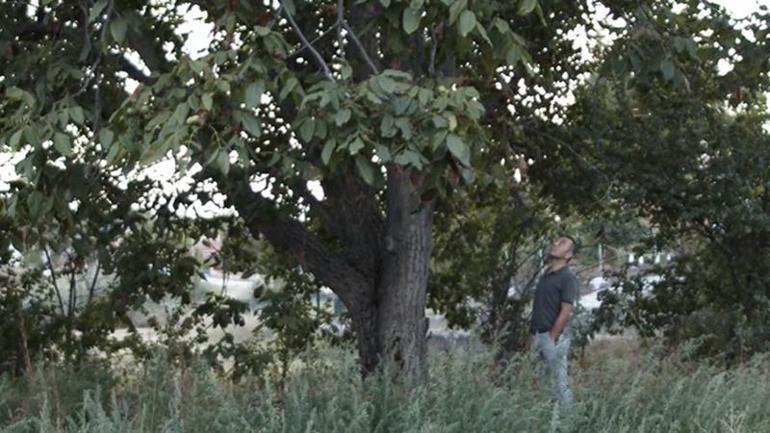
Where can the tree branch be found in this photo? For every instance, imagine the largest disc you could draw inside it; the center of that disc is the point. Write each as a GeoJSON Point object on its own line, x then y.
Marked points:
{"type": "Point", "coordinates": [292, 237]}
{"type": "Point", "coordinates": [317, 38]}
{"type": "Point", "coordinates": [143, 43]}
{"type": "Point", "coordinates": [354, 207]}
{"type": "Point", "coordinates": [92, 289]}
{"type": "Point", "coordinates": [73, 289]}
{"type": "Point", "coordinates": [319, 59]}
{"type": "Point", "coordinates": [339, 25]}
{"type": "Point", "coordinates": [361, 48]}
{"type": "Point", "coordinates": [433, 48]}
{"type": "Point", "coordinates": [53, 279]}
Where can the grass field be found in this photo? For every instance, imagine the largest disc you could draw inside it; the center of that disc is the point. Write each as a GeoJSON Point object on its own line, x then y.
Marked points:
{"type": "Point", "coordinates": [618, 388]}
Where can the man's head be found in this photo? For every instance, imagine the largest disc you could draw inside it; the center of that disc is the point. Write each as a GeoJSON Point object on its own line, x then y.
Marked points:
{"type": "Point", "coordinates": [563, 247]}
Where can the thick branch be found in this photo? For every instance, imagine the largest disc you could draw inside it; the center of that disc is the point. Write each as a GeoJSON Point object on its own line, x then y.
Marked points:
{"type": "Point", "coordinates": [356, 210]}
{"type": "Point", "coordinates": [141, 40]}
{"type": "Point", "coordinates": [292, 237]}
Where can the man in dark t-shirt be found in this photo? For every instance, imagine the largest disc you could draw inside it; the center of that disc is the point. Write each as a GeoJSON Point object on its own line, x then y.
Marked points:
{"type": "Point", "coordinates": [554, 296]}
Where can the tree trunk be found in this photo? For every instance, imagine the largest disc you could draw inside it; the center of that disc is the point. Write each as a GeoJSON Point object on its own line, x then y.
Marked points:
{"type": "Point", "coordinates": [401, 291]}
{"type": "Point", "coordinates": [365, 320]}
{"type": "Point", "coordinates": [387, 297]}
{"type": "Point", "coordinates": [391, 329]}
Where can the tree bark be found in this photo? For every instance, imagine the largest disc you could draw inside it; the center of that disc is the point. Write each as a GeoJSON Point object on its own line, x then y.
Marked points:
{"type": "Point", "coordinates": [391, 327]}
{"type": "Point", "coordinates": [402, 324]}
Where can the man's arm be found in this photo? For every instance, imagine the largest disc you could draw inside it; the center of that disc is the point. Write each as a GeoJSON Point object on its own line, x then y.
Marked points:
{"type": "Point", "coordinates": [561, 321]}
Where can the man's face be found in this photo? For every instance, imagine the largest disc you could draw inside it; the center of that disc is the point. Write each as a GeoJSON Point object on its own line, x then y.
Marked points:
{"type": "Point", "coordinates": [561, 248]}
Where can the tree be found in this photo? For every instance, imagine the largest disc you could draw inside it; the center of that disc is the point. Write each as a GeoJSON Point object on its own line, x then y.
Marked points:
{"type": "Point", "coordinates": [487, 259]}
{"type": "Point", "coordinates": [388, 106]}
{"type": "Point", "coordinates": [75, 265]}
{"type": "Point", "coordinates": [689, 157]}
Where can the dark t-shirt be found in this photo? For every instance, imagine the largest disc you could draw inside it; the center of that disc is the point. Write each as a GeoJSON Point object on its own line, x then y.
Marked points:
{"type": "Point", "coordinates": [552, 289]}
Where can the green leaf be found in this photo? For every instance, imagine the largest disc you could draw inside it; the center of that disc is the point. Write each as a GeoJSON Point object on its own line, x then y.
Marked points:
{"type": "Point", "coordinates": [15, 138]}
{"type": "Point", "coordinates": [105, 137]}
{"type": "Point", "coordinates": [223, 161]}
{"type": "Point", "coordinates": [14, 93]}
{"type": "Point", "coordinates": [467, 22]}
{"type": "Point", "coordinates": [346, 71]}
{"type": "Point", "coordinates": [342, 117]}
{"type": "Point", "coordinates": [501, 25]}
{"type": "Point", "coordinates": [402, 123]}
{"type": "Point", "coordinates": [76, 113]}
{"type": "Point", "coordinates": [179, 116]}
{"type": "Point", "coordinates": [386, 126]}
{"type": "Point", "coordinates": [527, 6]}
{"type": "Point", "coordinates": [411, 20]}
{"type": "Point", "coordinates": [291, 83]}
{"type": "Point", "coordinates": [307, 129]}
{"type": "Point", "coordinates": [692, 48]}
{"type": "Point", "coordinates": [34, 203]}
{"type": "Point", "coordinates": [356, 145]}
{"type": "Point", "coordinates": [468, 175]}
{"type": "Point", "coordinates": [483, 33]}
{"type": "Point", "coordinates": [366, 169]}
{"type": "Point", "coordinates": [452, 120]}
{"type": "Point", "coordinates": [253, 93]}
{"type": "Point", "coordinates": [326, 153]}
{"type": "Point", "coordinates": [159, 119]}
{"type": "Point", "coordinates": [62, 143]}
{"type": "Point", "coordinates": [372, 97]}
{"type": "Point", "coordinates": [112, 155]}
{"type": "Point", "coordinates": [118, 29]}
{"type": "Point", "coordinates": [386, 84]}
{"type": "Point", "coordinates": [223, 85]}
{"type": "Point", "coordinates": [513, 54]}
{"type": "Point", "coordinates": [458, 148]}
{"type": "Point", "coordinates": [667, 68]}
{"type": "Point", "coordinates": [32, 136]}
{"type": "Point", "coordinates": [402, 104]}
{"type": "Point", "coordinates": [439, 121]}
{"type": "Point", "coordinates": [320, 129]}
{"type": "Point", "coordinates": [197, 66]}
{"type": "Point", "coordinates": [385, 3]}
{"type": "Point", "coordinates": [251, 124]}
{"type": "Point", "coordinates": [96, 10]}
{"type": "Point", "coordinates": [410, 157]}
{"type": "Point", "coordinates": [20, 95]}
{"type": "Point", "coordinates": [438, 142]}
{"type": "Point", "coordinates": [208, 101]}
{"type": "Point", "coordinates": [454, 10]}
{"type": "Point", "coordinates": [383, 152]}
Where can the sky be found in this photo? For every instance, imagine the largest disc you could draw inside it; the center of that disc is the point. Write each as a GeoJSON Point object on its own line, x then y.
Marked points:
{"type": "Point", "coordinates": [742, 8]}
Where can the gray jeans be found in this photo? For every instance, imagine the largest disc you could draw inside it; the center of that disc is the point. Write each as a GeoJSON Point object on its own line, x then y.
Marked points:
{"type": "Point", "coordinates": [552, 364]}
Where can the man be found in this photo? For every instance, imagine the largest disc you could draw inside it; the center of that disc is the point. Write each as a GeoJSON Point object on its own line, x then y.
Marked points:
{"type": "Point", "coordinates": [554, 296]}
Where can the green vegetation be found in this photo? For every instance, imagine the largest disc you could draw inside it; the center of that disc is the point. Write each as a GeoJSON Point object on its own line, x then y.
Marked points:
{"type": "Point", "coordinates": [618, 391]}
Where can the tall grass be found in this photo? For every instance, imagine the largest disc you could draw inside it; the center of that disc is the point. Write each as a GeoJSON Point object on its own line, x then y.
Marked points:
{"type": "Point", "coordinates": [325, 394]}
